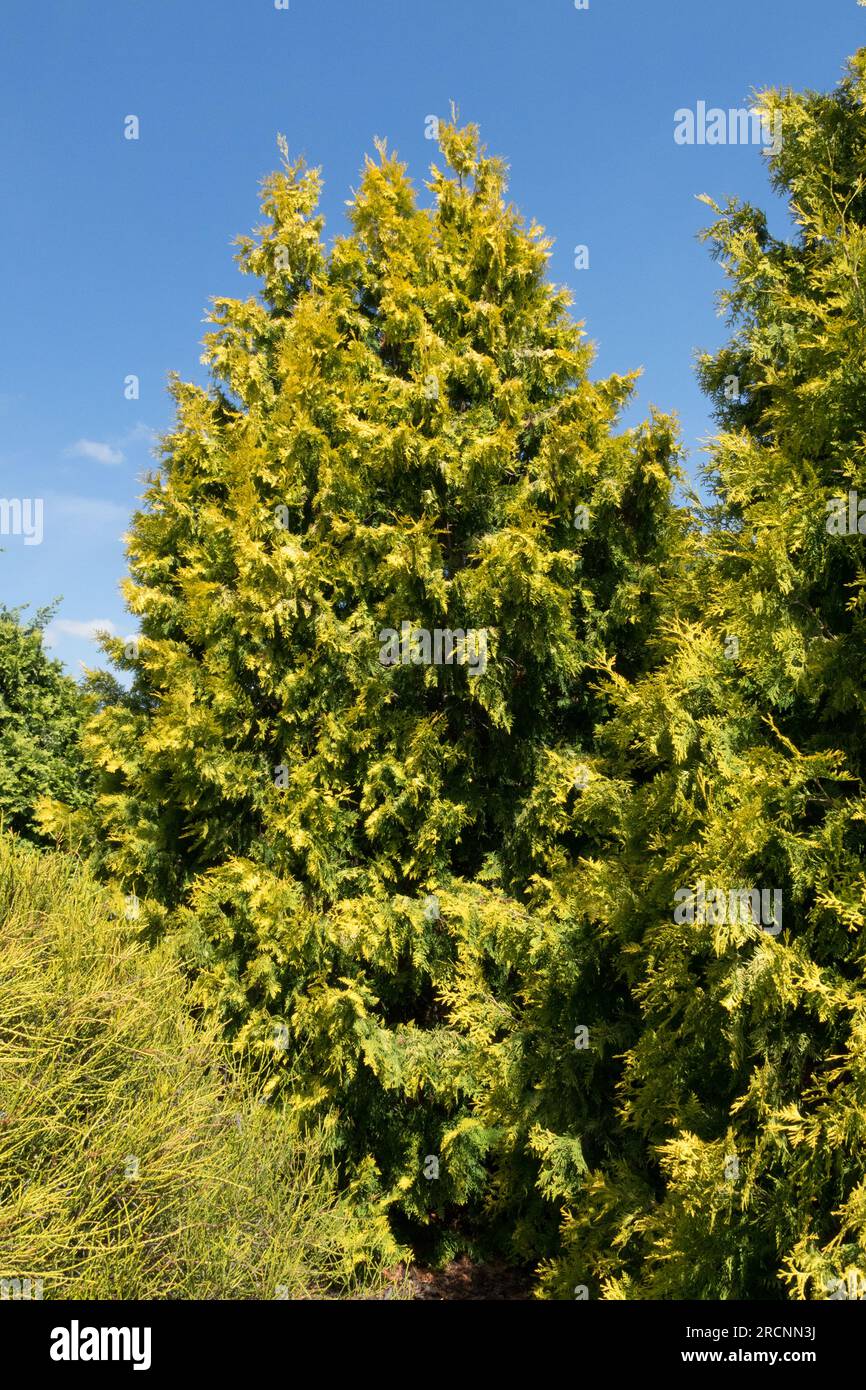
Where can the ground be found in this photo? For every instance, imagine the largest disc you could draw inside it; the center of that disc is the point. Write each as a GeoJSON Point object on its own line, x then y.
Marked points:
{"type": "Point", "coordinates": [461, 1279]}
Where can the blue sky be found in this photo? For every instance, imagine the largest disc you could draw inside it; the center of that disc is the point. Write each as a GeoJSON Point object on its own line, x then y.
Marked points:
{"type": "Point", "coordinates": [111, 248]}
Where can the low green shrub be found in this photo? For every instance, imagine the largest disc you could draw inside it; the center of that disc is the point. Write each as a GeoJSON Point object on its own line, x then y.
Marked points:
{"type": "Point", "coordinates": [135, 1161]}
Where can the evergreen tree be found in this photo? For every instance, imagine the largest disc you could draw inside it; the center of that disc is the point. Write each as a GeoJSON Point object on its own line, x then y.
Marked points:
{"type": "Point", "coordinates": [41, 714]}
{"type": "Point", "coordinates": [370, 851]}
{"type": "Point", "coordinates": [745, 755]}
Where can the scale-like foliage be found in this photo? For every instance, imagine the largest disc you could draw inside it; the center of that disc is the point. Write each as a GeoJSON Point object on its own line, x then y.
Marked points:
{"type": "Point", "coordinates": [372, 865]}
{"type": "Point", "coordinates": [41, 714]}
{"type": "Point", "coordinates": [745, 754]}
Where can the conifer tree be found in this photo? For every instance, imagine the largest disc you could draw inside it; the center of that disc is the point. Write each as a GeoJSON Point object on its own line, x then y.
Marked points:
{"type": "Point", "coordinates": [746, 758]}
{"type": "Point", "coordinates": [369, 850]}
{"type": "Point", "coordinates": [41, 714]}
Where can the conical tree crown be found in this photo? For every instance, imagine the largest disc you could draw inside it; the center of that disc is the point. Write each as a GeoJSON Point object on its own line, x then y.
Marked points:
{"type": "Point", "coordinates": [388, 557]}
{"type": "Point", "coordinates": [386, 552]}
{"type": "Point", "coordinates": [745, 905]}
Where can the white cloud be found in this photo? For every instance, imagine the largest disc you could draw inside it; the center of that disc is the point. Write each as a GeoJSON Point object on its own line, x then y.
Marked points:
{"type": "Point", "coordinates": [72, 627]}
{"type": "Point", "coordinates": [93, 449]}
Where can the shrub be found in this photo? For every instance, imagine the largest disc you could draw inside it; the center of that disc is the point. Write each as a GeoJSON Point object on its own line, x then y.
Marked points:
{"type": "Point", "coordinates": [135, 1161]}
{"type": "Point", "coordinates": [41, 714]}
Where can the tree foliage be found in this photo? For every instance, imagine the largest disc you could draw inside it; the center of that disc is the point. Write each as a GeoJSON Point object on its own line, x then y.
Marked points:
{"type": "Point", "coordinates": [41, 714]}
{"type": "Point", "coordinates": [570, 940]}
{"type": "Point", "coordinates": [371, 862]}
{"type": "Point", "coordinates": [745, 754]}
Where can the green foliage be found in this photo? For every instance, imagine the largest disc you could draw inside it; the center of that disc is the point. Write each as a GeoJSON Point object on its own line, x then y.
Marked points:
{"type": "Point", "coordinates": [41, 714]}
{"type": "Point", "coordinates": [746, 760]}
{"type": "Point", "coordinates": [135, 1162]}
{"type": "Point", "coordinates": [444, 902]}
{"type": "Point", "coordinates": [379, 859]}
